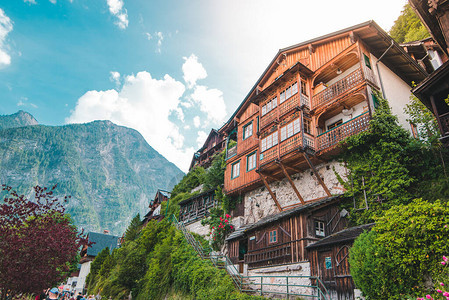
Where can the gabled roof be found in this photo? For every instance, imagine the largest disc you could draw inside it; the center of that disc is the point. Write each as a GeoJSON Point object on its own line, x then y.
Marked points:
{"type": "Point", "coordinates": [275, 217]}
{"type": "Point", "coordinates": [372, 35]}
{"type": "Point", "coordinates": [348, 234]}
{"type": "Point", "coordinates": [101, 241]}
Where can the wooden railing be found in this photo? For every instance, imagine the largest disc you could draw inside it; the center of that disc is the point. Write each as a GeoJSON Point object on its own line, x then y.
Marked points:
{"type": "Point", "coordinates": [290, 144]}
{"type": "Point", "coordinates": [305, 100]}
{"type": "Point", "coordinates": [268, 118]}
{"type": "Point", "coordinates": [269, 155]}
{"type": "Point", "coordinates": [289, 104]}
{"type": "Point", "coordinates": [271, 255]}
{"type": "Point", "coordinates": [339, 133]}
{"type": "Point", "coordinates": [337, 88]}
{"type": "Point", "coordinates": [309, 141]}
{"type": "Point", "coordinates": [231, 152]}
{"type": "Point", "coordinates": [369, 75]}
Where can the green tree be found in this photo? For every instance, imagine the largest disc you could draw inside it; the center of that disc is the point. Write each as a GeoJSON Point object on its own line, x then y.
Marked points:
{"type": "Point", "coordinates": [133, 229]}
{"type": "Point", "coordinates": [408, 27]}
{"type": "Point", "coordinates": [401, 253]}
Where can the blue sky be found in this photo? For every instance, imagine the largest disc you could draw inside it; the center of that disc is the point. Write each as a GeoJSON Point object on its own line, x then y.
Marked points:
{"type": "Point", "coordinates": [170, 69]}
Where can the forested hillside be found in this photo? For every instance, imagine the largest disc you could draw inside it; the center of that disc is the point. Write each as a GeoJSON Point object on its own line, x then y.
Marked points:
{"type": "Point", "coordinates": [110, 171]}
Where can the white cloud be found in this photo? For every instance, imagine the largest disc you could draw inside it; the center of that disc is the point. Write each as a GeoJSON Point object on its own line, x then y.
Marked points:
{"type": "Point", "coordinates": [148, 35]}
{"type": "Point", "coordinates": [115, 77]}
{"type": "Point", "coordinates": [116, 9]}
{"type": "Point", "coordinates": [139, 105]}
{"type": "Point", "coordinates": [24, 102]}
{"type": "Point", "coordinates": [5, 28]}
{"type": "Point", "coordinates": [196, 121]}
{"type": "Point", "coordinates": [193, 70]}
{"type": "Point", "coordinates": [186, 127]}
{"type": "Point", "coordinates": [160, 38]}
{"type": "Point", "coordinates": [30, 1]}
{"type": "Point", "coordinates": [211, 102]}
{"type": "Point", "coordinates": [202, 136]}
{"type": "Point", "coordinates": [53, 1]}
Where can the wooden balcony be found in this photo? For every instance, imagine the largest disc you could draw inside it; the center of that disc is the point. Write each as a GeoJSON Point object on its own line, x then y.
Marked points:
{"type": "Point", "coordinates": [231, 152]}
{"type": "Point", "coordinates": [338, 88]}
{"type": "Point", "coordinates": [272, 255]}
{"type": "Point", "coordinates": [334, 136]}
{"type": "Point", "coordinates": [268, 118]}
{"type": "Point", "coordinates": [269, 155]}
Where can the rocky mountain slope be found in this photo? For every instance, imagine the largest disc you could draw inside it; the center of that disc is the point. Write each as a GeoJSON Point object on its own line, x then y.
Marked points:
{"type": "Point", "coordinates": [110, 171]}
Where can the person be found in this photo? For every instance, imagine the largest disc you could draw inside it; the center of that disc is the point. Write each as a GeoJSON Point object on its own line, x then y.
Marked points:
{"type": "Point", "coordinates": [79, 297]}
{"type": "Point", "coordinates": [53, 293]}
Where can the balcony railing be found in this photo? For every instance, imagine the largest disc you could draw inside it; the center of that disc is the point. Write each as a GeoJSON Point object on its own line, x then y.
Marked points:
{"type": "Point", "coordinates": [268, 118]}
{"type": "Point", "coordinates": [272, 255]}
{"type": "Point", "coordinates": [337, 88]}
{"type": "Point", "coordinates": [305, 100]}
{"type": "Point", "coordinates": [342, 131]}
{"type": "Point", "coordinates": [288, 104]}
{"type": "Point", "coordinates": [269, 155]}
{"type": "Point", "coordinates": [231, 152]}
{"type": "Point", "coordinates": [291, 144]}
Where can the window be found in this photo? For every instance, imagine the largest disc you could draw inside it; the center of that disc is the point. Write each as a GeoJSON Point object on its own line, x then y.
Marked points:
{"type": "Point", "coordinates": [367, 63]}
{"type": "Point", "coordinates": [307, 126]}
{"type": "Point", "coordinates": [235, 170]}
{"type": "Point", "coordinates": [273, 236]}
{"type": "Point", "coordinates": [290, 129]}
{"type": "Point", "coordinates": [304, 88]}
{"type": "Point", "coordinates": [319, 228]}
{"type": "Point", "coordinates": [288, 92]}
{"type": "Point", "coordinates": [269, 141]}
{"type": "Point", "coordinates": [251, 162]}
{"type": "Point", "coordinates": [335, 124]}
{"type": "Point", "coordinates": [270, 105]}
{"type": "Point", "coordinates": [248, 130]}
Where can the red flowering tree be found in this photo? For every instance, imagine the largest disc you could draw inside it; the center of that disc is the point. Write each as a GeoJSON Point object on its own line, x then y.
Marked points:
{"type": "Point", "coordinates": [220, 227]}
{"type": "Point", "coordinates": [38, 241]}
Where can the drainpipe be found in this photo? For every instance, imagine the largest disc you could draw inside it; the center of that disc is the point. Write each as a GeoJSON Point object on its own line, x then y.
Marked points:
{"type": "Point", "coordinates": [378, 72]}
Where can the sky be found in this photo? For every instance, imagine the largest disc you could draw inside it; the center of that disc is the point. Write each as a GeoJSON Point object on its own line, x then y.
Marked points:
{"type": "Point", "coordinates": [171, 69]}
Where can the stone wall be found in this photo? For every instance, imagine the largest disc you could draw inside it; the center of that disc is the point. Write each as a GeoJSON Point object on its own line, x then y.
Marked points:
{"type": "Point", "coordinates": [199, 229]}
{"type": "Point", "coordinates": [259, 204]}
{"type": "Point", "coordinates": [277, 275]}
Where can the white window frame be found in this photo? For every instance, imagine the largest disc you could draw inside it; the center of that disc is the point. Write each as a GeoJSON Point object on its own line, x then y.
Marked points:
{"type": "Point", "coordinates": [235, 170]}
{"type": "Point", "coordinates": [270, 105]}
{"type": "Point", "coordinates": [269, 141]}
{"type": "Point", "coordinates": [290, 129]}
{"type": "Point", "coordinates": [247, 130]}
{"type": "Point", "coordinates": [251, 161]}
{"type": "Point", "coordinates": [320, 228]}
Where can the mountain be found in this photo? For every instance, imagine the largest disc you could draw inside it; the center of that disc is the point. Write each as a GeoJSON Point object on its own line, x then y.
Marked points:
{"type": "Point", "coordinates": [110, 171]}
{"type": "Point", "coordinates": [19, 119]}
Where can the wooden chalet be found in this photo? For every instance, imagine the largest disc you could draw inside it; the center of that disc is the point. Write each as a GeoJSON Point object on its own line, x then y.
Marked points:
{"type": "Point", "coordinates": [214, 144]}
{"type": "Point", "coordinates": [329, 261]}
{"type": "Point", "coordinates": [435, 88]}
{"type": "Point", "coordinates": [282, 238]}
{"type": "Point", "coordinates": [155, 206]}
{"type": "Point", "coordinates": [311, 96]}
{"type": "Point", "coordinates": [197, 207]}
{"type": "Point", "coordinates": [427, 53]}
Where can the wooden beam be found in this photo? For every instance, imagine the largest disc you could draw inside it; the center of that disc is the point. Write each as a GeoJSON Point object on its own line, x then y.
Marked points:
{"type": "Point", "coordinates": [291, 182]}
{"type": "Point", "coordinates": [270, 191]}
{"type": "Point", "coordinates": [317, 175]}
{"type": "Point", "coordinates": [293, 169]}
{"type": "Point", "coordinates": [272, 177]}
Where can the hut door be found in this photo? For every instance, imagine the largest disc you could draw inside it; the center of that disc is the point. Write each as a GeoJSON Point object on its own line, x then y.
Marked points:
{"type": "Point", "coordinates": [326, 266]}
{"type": "Point", "coordinates": [243, 249]}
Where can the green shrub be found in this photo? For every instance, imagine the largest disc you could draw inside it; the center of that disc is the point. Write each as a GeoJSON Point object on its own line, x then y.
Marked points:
{"type": "Point", "coordinates": [401, 253]}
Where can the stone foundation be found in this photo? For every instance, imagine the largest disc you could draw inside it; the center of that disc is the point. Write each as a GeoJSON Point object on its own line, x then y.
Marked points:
{"type": "Point", "coordinates": [276, 275]}
{"type": "Point", "coordinates": [259, 204]}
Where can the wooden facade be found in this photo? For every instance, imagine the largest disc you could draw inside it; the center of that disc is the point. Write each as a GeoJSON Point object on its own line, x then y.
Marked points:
{"type": "Point", "coordinates": [283, 238]}
{"type": "Point", "coordinates": [312, 96]}
{"type": "Point", "coordinates": [197, 207]}
{"type": "Point", "coordinates": [155, 206]}
{"type": "Point", "coordinates": [214, 144]}
{"type": "Point", "coordinates": [435, 88]}
{"type": "Point", "coordinates": [329, 261]}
